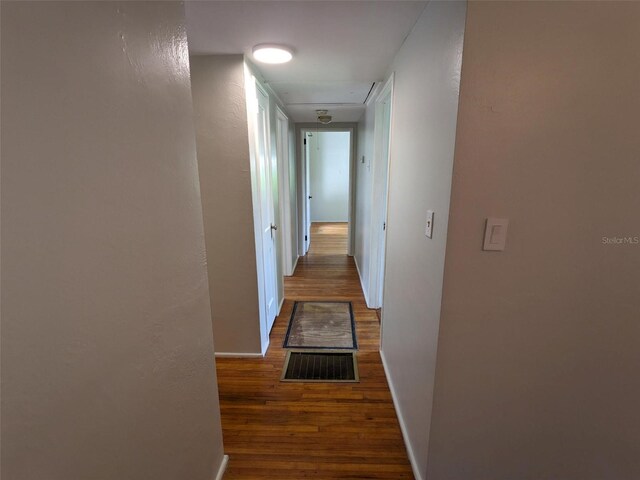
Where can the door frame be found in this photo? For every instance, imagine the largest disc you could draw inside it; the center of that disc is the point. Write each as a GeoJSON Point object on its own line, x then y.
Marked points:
{"type": "Point", "coordinates": [380, 196]}
{"type": "Point", "coordinates": [284, 176]}
{"type": "Point", "coordinates": [306, 212]}
{"type": "Point", "coordinates": [301, 131]}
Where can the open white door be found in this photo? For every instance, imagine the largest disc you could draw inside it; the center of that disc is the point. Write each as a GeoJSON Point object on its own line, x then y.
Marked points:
{"type": "Point", "coordinates": [268, 228]}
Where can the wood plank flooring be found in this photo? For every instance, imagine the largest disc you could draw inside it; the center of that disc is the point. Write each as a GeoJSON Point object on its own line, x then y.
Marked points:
{"type": "Point", "coordinates": [276, 430]}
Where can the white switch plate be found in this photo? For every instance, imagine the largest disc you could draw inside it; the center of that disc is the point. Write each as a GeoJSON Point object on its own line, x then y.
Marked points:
{"type": "Point", "coordinates": [428, 231]}
{"type": "Point", "coordinates": [495, 234]}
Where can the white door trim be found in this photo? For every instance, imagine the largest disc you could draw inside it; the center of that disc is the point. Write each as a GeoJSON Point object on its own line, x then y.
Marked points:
{"type": "Point", "coordinates": [286, 215]}
{"type": "Point", "coordinates": [306, 158]}
{"type": "Point", "coordinates": [380, 195]}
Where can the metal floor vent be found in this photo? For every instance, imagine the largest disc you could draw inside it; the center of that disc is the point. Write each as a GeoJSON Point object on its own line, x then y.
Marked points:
{"type": "Point", "coordinates": [320, 366]}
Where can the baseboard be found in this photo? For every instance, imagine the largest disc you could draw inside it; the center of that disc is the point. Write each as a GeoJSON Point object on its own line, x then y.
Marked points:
{"type": "Point", "coordinates": [223, 467]}
{"type": "Point", "coordinates": [238, 355]}
{"type": "Point", "coordinates": [265, 346]}
{"type": "Point", "coordinates": [295, 264]}
{"type": "Point", "coordinates": [403, 426]}
{"type": "Point", "coordinates": [364, 290]}
{"type": "Point", "coordinates": [280, 307]}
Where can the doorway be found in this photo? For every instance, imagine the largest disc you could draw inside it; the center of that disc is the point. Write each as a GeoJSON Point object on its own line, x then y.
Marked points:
{"type": "Point", "coordinates": [326, 181]}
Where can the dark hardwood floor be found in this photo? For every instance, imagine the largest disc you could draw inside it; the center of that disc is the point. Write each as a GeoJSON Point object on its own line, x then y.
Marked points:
{"type": "Point", "coordinates": [275, 430]}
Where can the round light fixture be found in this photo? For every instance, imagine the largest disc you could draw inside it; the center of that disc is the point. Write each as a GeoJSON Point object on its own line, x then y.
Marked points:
{"type": "Point", "coordinates": [270, 53]}
{"type": "Point", "coordinates": [323, 117]}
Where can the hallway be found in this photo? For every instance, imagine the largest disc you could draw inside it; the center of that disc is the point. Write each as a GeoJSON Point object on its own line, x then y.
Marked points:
{"type": "Point", "coordinates": [287, 430]}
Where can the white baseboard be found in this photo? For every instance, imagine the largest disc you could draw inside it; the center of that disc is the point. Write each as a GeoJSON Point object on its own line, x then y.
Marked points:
{"type": "Point", "coordinates": [364, 290]}
{"type": "Point", "coordinates": [223, 467]}
{"type": "Point", "coordinates": [238, 355]}
{"type": "Point", "coordinates": [403, 425]}
{"type": "Point", "coordinates": [265, 346]}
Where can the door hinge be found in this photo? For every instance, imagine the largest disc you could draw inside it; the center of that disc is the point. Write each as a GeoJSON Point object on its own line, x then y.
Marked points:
{"type": "Point", "coordinates": [305, 141]}
{"type": "Point", "coordinates": [384, 226]}
{"type": "Point", "coordinates": [305, 238]}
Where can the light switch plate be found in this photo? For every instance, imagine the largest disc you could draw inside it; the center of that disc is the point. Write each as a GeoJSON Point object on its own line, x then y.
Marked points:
{"type": "Point", "coordinates": [428, 231]}
{"type": "Point", "coordinates": [495, 234]}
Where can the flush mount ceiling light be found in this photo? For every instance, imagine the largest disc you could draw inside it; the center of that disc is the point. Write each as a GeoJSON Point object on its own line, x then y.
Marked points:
{"type": "Point", "coordinates": [271, 53]}
{"type": "Point", "coordinates": [323, 117]}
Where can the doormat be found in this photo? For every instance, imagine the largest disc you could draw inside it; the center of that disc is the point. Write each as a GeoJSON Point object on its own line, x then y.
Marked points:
{"type": "Point", "coordinates": [321, 325]}
{"type": "Point", "coordinates": [320, 366]}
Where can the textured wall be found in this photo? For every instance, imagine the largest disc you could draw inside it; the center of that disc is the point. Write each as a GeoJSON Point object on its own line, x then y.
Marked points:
{"type": "Point", "coordinates": [107, 355]}
{"type": "Point", "coordinates": [220, 106]}
{"type": "Point", "coordinates": [427, 76]}
{"type": "Point", "coordinates": [538, 357]}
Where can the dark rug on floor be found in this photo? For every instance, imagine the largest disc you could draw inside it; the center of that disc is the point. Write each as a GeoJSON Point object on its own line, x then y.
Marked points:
{"type": "Point", "coordinates": [320, 366]}
{"type": "Point", "coordinates": [321, 325]}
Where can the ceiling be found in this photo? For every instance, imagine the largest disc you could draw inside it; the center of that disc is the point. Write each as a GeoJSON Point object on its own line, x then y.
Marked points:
{"type": "Point", "coordinates": [340, 47]}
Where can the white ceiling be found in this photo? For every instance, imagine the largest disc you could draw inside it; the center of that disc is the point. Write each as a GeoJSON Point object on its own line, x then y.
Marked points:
{"type": "Point", "coordinates": [340, 47]}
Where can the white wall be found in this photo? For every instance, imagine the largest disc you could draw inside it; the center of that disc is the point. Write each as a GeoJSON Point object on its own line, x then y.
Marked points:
{"type": "Point", "coordinates": [219, 100]}
{"type": "Point", "coordinates": [107, 352]}
{"type": "Point", "coordinates": [427, 74]}
{"type": "Point", "coordinates": [539, 355]}
{"type": "Point", "coordinates": [329, 176]}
